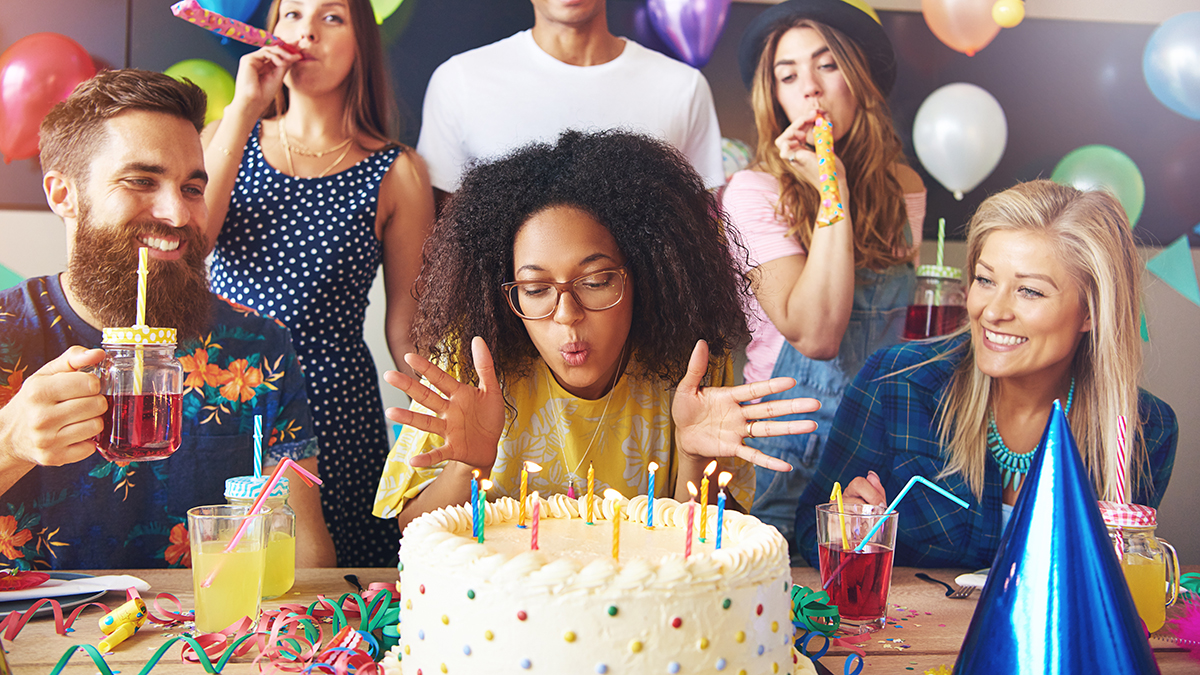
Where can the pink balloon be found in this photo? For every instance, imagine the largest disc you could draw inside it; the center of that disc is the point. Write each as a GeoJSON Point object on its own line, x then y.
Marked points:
{"type": "Point", "coordinates": [36, 72]}
{"type": "Point", "coordinates": [690, 27]}
{"type": "Point", "coordinates": [966, 26]}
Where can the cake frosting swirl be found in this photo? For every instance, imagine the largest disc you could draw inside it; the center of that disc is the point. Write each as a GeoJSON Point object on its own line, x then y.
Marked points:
{"type": "Point", "coordinates": [570, 607]}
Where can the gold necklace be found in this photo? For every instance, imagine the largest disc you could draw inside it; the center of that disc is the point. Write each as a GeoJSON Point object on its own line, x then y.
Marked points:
{"type": "Point", "coordinates": [573, 475]}
{"type": "Point", "coordinates": [300, 150]}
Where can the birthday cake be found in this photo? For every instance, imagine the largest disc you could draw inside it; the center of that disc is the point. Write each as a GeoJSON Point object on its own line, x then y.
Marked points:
{"type": "Point", "coordinates": [569, 606]}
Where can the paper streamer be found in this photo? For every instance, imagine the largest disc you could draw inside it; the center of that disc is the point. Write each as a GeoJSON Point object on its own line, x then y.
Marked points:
{"type": "Point", "coordinates": [812, 612]}
{"type": "Point", "coordinates": [1174, 265]}
{"type": "Point", "coordinates": [192, 12]}
{"type": "Point", "coordinates": [831, 209]}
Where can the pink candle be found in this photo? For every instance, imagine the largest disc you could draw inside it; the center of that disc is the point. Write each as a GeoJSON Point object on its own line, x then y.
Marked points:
{"type": "Point", "coordinates": [533, 531]}
{"type": "Point", "coordinates": [691, 515]}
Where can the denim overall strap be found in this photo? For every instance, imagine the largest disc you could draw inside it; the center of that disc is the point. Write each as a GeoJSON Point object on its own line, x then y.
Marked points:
{"type": "Point", "coordinates": [876, 320]}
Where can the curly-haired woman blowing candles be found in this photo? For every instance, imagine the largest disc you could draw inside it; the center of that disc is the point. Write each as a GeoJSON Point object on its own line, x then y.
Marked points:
{"type": "Point", "coordinates": [587, 271]}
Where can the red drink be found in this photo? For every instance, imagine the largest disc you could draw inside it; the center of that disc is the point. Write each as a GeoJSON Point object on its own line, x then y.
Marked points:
{"type": "Point", "coordinates": [926, 321]}
{"type": "Point", "coordinates": [141, 427]}
{"type": "Point", "coordinates": [861, 589]}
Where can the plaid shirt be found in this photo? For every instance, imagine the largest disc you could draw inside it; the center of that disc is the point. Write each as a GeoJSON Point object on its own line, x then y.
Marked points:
{"type": "Point", "coordinates": [888, 423]}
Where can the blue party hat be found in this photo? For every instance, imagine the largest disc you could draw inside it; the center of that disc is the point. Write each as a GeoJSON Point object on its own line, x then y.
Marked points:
{"type": "Point", "coordinates": [1056, 601]}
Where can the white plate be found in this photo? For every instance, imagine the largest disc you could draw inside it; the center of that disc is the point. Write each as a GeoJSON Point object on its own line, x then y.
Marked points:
{"type": "Point", "coordinates": [66, 601]}
{"type": "Point", "coordinates": [975, 579]}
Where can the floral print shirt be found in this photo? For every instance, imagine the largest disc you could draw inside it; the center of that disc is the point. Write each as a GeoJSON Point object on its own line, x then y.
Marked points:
{"type": "Point", "coordinates": [97, 514]}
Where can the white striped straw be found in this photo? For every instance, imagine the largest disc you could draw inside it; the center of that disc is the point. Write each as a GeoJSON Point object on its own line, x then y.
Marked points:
{"type": "Point", "coordinates": [1121, 463]}
{"type": "Point", "coordinates": [258, 446]}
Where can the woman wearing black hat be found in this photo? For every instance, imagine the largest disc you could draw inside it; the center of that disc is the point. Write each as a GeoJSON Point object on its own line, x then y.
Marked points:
{"type": "Point", "coordinates": [826, 297]}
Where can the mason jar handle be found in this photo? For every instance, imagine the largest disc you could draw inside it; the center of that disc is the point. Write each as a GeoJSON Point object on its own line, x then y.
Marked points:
{"type": "Point", "coordinates": [1172, 571]}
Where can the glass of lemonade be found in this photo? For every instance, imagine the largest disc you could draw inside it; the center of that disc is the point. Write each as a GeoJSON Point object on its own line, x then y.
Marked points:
{"type": "Point", "coordinates": [227, 586]}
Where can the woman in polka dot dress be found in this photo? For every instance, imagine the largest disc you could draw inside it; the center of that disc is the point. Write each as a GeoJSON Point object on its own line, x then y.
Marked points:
{"type": "Point", "coordinates": [307, 194]}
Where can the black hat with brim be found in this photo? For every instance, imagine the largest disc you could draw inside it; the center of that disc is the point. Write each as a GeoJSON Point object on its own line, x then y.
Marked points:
{"type": "Point", "coordinates": [856, 24]}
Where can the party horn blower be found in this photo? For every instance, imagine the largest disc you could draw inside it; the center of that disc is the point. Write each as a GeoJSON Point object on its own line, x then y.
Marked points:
{"type": "Point", "coordinates": [192, 12]}
{"type": "Point", "coordinates": [831, 209]}
{"type": "Point", "coordinates": [255, 508]}
{"type": "Point", "coordinates": [133, 611]}
{"type": "Point", "coordinates": [1056, 600]}
{"type": "Point", "coordinates": [119, 635]}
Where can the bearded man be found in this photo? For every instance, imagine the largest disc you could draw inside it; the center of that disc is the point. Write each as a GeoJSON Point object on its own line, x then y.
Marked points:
{"type": "Point", "coordinates": [123, 167]}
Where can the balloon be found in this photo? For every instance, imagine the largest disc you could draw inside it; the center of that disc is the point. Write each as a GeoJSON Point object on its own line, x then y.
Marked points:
{"type": "Point", "coordinates": [241, 10]}
{"type": "Point", "coordinates": [1171, 63]}
{"type": "Point", "coordinates": [959, 134]}
{"type": "Point", "coordinates": [1008, 13]}
{"type": "Point", "coordinates": [384, 8]}
{"type": "Point", "coordinates": [690, 27]}
{"type": "Point", "coordinates": [1094, 167]}
{"type": "Point", "coordinates": [213, 79]}
{"type": "Point", "coordinates": [963, 25]}
{"type": "Point", "coordinates": [36, 72]}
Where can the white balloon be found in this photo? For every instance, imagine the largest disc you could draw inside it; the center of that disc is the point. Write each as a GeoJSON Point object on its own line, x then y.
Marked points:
{"type": "Point", "coordinates": [959, 134]}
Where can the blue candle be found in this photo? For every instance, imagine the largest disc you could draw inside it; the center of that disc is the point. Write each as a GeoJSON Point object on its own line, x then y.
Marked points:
{"type": "Point", "coordinates": [722, 481]}
{"type": "Point", "coordinates": [475, 503]}
{"type": "Point", "coordinates": [650, 518]}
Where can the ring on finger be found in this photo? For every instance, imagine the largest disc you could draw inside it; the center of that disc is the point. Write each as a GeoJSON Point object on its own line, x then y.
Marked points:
{"type": "Point", "coordinates": [750, 428]}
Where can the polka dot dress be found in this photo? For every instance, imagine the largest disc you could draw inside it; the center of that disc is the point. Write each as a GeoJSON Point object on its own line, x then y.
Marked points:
{"type": "Point", "coordinates": [304, 251]}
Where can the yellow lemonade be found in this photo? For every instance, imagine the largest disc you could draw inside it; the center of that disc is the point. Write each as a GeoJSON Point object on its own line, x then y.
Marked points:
{"type": "Point", "coordinates": [235, 588]}
{"type": "Point", "coordinates": [280, 571]}
{"type": "Point", "coordinates": [1147, 581]}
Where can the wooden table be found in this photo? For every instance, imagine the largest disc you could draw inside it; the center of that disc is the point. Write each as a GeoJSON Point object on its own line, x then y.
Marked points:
{"type": "Point", "coordinates": [926, 630]}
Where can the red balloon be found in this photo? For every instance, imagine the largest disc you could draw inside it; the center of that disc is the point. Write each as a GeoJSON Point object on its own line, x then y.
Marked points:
{"type": "Point", "coordinates": [36, 72]}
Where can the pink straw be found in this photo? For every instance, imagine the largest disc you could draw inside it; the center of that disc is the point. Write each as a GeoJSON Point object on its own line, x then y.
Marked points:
{"type": "Point", "coordinates": [258, 504]}
{"type": "Point", "coordinates": [1121, 468]}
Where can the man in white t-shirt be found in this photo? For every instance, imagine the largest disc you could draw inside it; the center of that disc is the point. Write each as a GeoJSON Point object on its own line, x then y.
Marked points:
{"type": "Point", "coordinates": [567, 72]}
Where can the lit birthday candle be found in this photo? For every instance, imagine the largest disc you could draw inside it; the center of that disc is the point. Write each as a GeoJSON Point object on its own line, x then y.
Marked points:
{"type": "Point", "coordinates": [475, 502]}
{"type": "Point", "coordinates": [537, 518]}
{"type": "Point", "coordinates": [722, 480]}
{"type": "Point", "coordinates": [616, 521]}
{"type": "Point", "coordinates": [712, 466]}
{"type": "Point", "coordinates": [691, 515]}
{"type": "Point", "coordinates": [484, 486]}
{"type": "Point", "coordinates": [526, 469]}
{"type": "Point", "coordinates": [650, 516]}
{"type": "Point", "coordinates": [591, 492]}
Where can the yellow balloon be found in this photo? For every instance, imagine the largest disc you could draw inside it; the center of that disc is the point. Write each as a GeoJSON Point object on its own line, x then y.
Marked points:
{"type": "Point", "coordinates": [1008, 13]}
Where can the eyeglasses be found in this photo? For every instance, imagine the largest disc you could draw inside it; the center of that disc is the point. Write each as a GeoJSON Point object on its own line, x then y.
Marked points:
{"type": "Point", "coordinates": [538, 299]}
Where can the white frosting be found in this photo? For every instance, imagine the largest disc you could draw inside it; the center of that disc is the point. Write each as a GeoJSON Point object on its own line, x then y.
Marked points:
{"type": "Point", "coordinates": [500, 607]}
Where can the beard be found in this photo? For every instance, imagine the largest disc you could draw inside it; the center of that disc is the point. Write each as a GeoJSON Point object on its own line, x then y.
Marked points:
{"type": "Point", "coordinates": [103, 268]}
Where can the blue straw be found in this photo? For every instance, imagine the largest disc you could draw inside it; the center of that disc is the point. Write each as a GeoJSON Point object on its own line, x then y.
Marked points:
{"type": "Point", "coordinates": [892, 507]}
{"type": "Point", "coordinates": [258, 446]}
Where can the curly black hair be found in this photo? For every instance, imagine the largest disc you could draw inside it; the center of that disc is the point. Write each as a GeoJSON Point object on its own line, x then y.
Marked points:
{"type": "Point", "coordinates": [669, 228]}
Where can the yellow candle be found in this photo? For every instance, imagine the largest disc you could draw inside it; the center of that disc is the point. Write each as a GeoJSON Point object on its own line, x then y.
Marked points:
{"type": "Point", "coordinates": [617, 531]}
{"type": "Point", "coordinates": [526, 469]}
{"type": "Point", "coordinates": [712, 466]}
{"type": "Point", "coordinates": [591, 491]}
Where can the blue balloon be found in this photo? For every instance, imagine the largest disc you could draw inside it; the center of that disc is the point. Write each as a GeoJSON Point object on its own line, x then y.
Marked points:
{"type": "Point", "coordinates": [241, 10]}
{"type": "Point", "coordinates": [1171, 63]}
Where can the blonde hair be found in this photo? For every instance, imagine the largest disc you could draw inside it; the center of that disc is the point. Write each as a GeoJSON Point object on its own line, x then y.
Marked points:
{"type": "Point", "coordinates": [1090, 234]}
{"type": "Point", "coordinates": [869, 150]}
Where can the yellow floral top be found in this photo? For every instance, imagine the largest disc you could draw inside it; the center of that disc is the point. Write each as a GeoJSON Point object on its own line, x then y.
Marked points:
{"type": "Point", "coordinates": [555, 429]}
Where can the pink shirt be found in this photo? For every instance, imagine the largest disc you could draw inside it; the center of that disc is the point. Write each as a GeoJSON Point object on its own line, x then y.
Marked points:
{"type": "Point", "coordinates": [750, 200]}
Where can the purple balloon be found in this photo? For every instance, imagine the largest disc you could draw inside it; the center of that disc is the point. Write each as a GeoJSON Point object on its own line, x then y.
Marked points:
{"type": "Point", "coordinates": [690, 27]}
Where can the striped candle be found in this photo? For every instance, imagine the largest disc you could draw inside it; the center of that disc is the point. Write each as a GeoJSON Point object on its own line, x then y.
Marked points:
{"type": "Point", "coordinates": [1122, 466]}
{"type": "Point", "coordinates": [650, 517]}
{"type": "Point", "coordinates": [533, 529]}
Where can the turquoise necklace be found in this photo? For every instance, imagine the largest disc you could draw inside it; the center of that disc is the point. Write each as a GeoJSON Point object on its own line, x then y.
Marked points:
{"type": "Point", "coordinates": [1013, 466]}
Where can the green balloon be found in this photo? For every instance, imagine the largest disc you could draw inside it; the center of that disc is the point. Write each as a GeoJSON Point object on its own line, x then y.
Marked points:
{"type": "Point", "coordinates": [216, 82]}
{"type": "Point", "coordinates": [1093, 167]}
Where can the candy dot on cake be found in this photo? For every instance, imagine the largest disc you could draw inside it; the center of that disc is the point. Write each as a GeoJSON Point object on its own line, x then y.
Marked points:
{"type": "Point", "coordinates": [774, 667]}
{"type": "Point", "coordinates": [422, 589]}
{"type": "Point", "coordinates": [526, 664]}
{"type": "Point", "coordinates": [467, 650]}
{"type": "Point", "coordinates": [758, 610]}
{"type": "Point", "coordinates": [720, 664]}
{"type": "Point", "coordinates": [761, 649]}
{"type": "Point", "coordinates": [774, 626]}
{"type": "Point", "coordinates": [739, 636]}
{"type": "Point", "coordinates": [421, 634]}
{"type": "Point", "coordinates": [470, 594]}
{"type": "Point", "coordinates": [635, 646]}
{"type": "Point", "coordinates": [444, 669]}
{"type": "Point", "coordinates": [612, 610]}
{"type": "Point", "coordinates": [726, 604]}
{"type": "Point", "coordinates": [445, 620]}
{"type": "Point", "coordinates": [521, 615]}
{"type": "Point", "coordinates": [601, 668]}
{"type": "Point", "coordinates": [703, 643]}
{"type": "Point", "coordinates": [488, 635]}
{"type": "Point", "coordinates": [676, 622]}
{"type": "Point", "coordinates": [673, 667]}
{"type": "Point", "coordinates": [569, 636]}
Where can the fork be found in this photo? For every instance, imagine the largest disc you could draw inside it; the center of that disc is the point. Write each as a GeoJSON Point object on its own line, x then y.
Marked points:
{"type": "Point", "coordinates": [958, 594]}
{"type": "Point", "coordinates": [962, 593]}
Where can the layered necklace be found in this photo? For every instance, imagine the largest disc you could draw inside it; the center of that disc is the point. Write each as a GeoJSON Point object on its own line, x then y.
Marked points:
{"type": "Point", "coordinates": [573, 474]}
{"type": "Point", "coordinates": [289, 147]}
{"type": "Point", "coordinates": [1013, 466]}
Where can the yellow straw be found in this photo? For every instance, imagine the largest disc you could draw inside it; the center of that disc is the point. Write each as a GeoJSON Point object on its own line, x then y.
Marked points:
{"type": "Point", "coordinates": [139, 363]}
{"type": "Point", "coordinates": [836, 495]}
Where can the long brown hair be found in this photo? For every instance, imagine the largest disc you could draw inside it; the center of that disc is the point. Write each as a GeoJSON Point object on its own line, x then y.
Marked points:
{"type": "Point", "coordinates": [370, 107]}
{"type": "Point", "coordinates": [869, 150]}
{"type": "Point", "coordinates": [1090, 233]}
